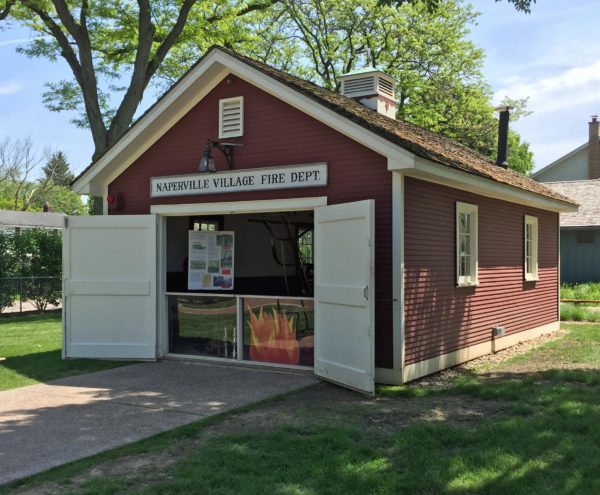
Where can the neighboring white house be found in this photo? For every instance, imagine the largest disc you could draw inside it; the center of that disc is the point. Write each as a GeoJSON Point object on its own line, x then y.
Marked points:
{"type": "Point", "coordinates": [577, 176]}
{"type": "Point", "coordinates": [15, 221]}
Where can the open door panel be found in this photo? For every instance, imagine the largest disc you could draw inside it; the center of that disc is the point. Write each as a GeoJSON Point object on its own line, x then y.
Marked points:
{"type": "Point", "coordinates": [344, 294]}
{"type": "Point", "coordinates": [109, 287]}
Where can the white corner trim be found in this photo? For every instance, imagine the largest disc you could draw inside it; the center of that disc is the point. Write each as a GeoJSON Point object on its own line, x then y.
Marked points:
{"type": "Point", "coordinates": [440, 174]}
{"type": "Point", "coordinates": [429, 366]}
{"type": "Point", "coordinates": [387, 376]}
{"type": "Point", "coordinates": [233, 207]}
{"type": "Point", "coordinates": [398, 270]}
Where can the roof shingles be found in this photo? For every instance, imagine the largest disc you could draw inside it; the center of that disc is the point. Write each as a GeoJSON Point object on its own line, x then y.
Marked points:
{"type": "Point", "coordinates": [421, 142]}
{"type": "Point", "coordinates": [587, 194]}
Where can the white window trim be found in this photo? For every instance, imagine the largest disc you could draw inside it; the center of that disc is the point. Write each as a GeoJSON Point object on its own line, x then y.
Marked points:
{"type": "Point", "coordinates": [533, 221]}
{"type": "Point", "coordinates": [221, 105]}
{"type": "Point", "coordinates": [473, 280]}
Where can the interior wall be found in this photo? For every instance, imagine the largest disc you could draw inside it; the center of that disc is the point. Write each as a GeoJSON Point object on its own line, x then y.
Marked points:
{"type": "Point", "coordinates": [177, 243]}
{"type": "Point", "coordinates": [253, 255]}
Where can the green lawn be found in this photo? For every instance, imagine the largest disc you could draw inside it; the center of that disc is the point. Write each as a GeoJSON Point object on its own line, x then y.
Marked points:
{"type": "Point", "coordinates": [31, 346]}
{"type": "Point", "coordinates": [526, 426]}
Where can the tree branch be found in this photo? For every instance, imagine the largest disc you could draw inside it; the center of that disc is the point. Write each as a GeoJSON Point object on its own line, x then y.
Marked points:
{"type": "Point", "coordinates": [82, 66]}
{"type": "Point", "coordinates": [5, 11]}
{"type": "Point", "coordinates": [139, 77]}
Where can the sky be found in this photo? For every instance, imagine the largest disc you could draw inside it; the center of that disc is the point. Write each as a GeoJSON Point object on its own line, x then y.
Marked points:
{"type": "Point", "coordinates": [551, 56]}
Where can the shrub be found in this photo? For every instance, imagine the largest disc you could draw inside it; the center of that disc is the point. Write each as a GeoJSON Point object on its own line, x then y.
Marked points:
{"type": "Point", "coordinates": [572, 312]}
{"type": "Point", "coordinates": [590, 290]}
{"type": "Point", "coordinates": [39, 254]}
{"type": "Point", "coordinates": [7, 264]}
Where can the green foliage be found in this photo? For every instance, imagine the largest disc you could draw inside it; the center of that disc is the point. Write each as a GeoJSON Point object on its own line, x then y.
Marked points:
{"type": "Point", "coordinates": [519, 156]}
{"type": "Point", "coordinates": [94, 205]}
{"type": "Point", "coordinates": [38, 253]}
{"type": "Point", "coordinates": [58, 171]}
{"type": "Point", "coordinates": [62, 199]}
{"type": "Point", "coordinates": [431, 5]}
{"type": "Point", "coordinates": [7, 294]}
{"type": "Point", "coordinates": [589, 291]}
{"type": "Point", "coordinates": [440, 85]}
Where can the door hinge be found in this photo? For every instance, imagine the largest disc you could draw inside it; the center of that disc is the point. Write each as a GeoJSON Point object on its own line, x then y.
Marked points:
{"type": "Point", "coordinates": [66, 219]}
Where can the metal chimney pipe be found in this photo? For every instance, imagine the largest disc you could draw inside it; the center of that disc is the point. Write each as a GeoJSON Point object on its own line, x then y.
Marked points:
{"type": "Point", "coordinates": [503, 136]}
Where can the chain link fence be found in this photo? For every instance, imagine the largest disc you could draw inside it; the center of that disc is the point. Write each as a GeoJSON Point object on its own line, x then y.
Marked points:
{"type": "Point", "coordinates": [20, 294]}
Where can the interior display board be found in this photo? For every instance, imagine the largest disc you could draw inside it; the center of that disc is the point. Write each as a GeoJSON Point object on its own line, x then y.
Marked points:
{"type": "Point", "coordinates": [210, 260]}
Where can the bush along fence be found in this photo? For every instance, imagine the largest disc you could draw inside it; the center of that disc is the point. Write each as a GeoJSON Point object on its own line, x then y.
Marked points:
{"type": "Point", "coordinates": [41, 292]}
{"type": "Point", "coordinates": [30, 269]}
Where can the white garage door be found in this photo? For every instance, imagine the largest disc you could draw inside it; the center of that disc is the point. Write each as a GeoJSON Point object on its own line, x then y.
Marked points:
{"type": "Point", "coordinates": [344, 294]}
{"type": "Point", "coordinates": [109, 286]}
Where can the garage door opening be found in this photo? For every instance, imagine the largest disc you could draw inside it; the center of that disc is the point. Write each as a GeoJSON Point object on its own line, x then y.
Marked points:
{"type": "Point", "coordinates": [258, 272]}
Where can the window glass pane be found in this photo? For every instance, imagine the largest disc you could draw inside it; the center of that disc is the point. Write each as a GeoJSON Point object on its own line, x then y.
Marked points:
{"type": "Point", "coordinates": [466, 232]}
{"type": "Point", "coordinates": [279, 330]}
{"type": "Point", "coordinates": [305, 246]}
{"type": "Point", "coordinates": [203, 326]}
{"type": "Point", "coordinates": [463, 222]}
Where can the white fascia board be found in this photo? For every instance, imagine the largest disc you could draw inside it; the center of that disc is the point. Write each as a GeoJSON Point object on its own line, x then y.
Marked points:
{"type": "Point", "coordinates": [558, 161]}
{"type": "Point", "coordinates": [440, 174]}
{"type": "Point", "coordinates": [193, 88]}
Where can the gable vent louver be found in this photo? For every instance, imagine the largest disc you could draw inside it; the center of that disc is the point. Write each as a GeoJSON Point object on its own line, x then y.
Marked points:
{"type": "Point", "coordinates": [359, 86]}
{"type": "Point", "coordinates": [386, 87]}
{"type": "Point", "coordinates": [231, 117]}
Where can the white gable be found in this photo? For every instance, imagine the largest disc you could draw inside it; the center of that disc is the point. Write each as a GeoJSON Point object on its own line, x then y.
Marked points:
{"type": "Point", "coordinates": [572, 166]}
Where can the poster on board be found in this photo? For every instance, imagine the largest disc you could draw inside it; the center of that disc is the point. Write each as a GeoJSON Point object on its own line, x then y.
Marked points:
{"type": "Point", "coordinates": [210, 260]}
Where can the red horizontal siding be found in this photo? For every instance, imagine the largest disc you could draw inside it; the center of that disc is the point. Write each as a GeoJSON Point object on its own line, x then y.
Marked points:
{"type": "Point", "coordinates": [440, 317]}
{"type": "Point", "coordinates": [274, 134]}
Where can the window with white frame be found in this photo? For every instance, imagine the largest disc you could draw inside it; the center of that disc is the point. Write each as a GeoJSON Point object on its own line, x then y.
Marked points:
{"type": "Point", "coordinates": [231, 117]}
{"type": "Point", "coordinates": [531, 248]}
{"type": "Point", "coordinates": [466, 244]}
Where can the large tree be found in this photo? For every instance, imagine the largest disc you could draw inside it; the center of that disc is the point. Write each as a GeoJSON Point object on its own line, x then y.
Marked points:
{"type": "Point", "coordinates": [440, 86]}
{"type": "Point", "coordinates": [114, 48]}
{"type": "Point", "coordinates": [117, 49]}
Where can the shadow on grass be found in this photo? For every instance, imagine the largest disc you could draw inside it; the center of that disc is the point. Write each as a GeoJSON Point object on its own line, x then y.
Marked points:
{"type": "Point", "coordinates": [548, 443]}
{"type": "Point", "coordinates": [49, 365]}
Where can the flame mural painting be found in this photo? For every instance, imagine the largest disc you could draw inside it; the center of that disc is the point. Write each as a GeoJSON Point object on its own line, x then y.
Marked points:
{"type": "Point", "coordinates": [273, 338]}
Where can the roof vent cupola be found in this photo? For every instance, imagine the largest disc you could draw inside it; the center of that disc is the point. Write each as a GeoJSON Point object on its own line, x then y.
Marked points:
{"type": "Point", "coordinates": [372, 88]}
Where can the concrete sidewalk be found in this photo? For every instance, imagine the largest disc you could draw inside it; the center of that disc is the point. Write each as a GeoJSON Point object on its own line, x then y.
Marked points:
{"type": "Point", "coordinates": [46, 425]}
